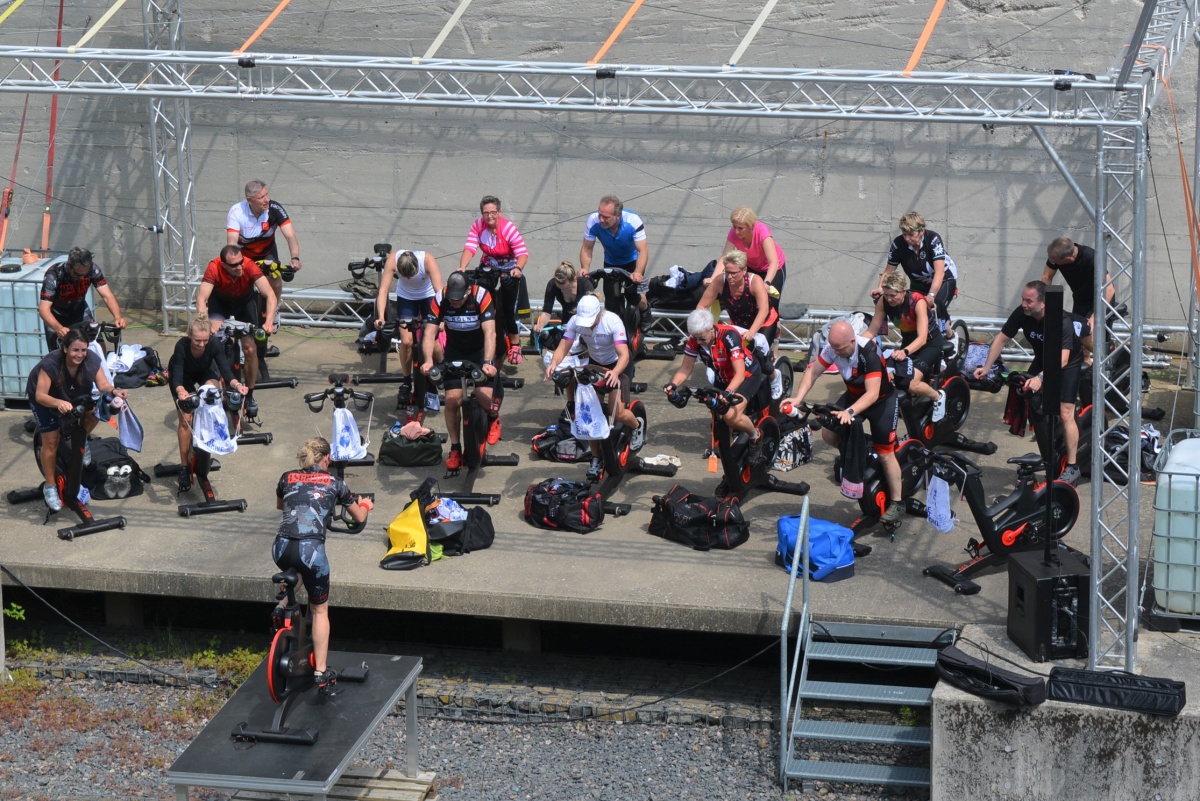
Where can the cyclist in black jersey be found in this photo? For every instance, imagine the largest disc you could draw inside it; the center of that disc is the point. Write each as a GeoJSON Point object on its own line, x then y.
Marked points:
{"type": "Point", "coordinates": [566, 287]}
{"type": "Point", "coordinates": [197, 359]}
{"type": "Point", "coordinates": [920, 336]}
{"type": "Point", "coordinates": [307, 498]}
{"type": "Point", "coordinates": [63, 300]}
{"type": "Point", "coordinates": [470, 320]}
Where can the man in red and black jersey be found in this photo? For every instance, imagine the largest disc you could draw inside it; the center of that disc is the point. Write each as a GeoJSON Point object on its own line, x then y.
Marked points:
{"type": "Point", "coordinates": [469, 316]}
{"type": "Point", "coordinates": [63, 301]}
{"type": "Point", "coordinates": [720, 348]}
{"type": "Point", "coordinates": [868, 394]}
{"type": "Point", "coordinates": [228, 291]}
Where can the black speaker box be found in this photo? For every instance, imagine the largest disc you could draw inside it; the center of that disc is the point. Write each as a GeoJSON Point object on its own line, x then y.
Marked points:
{"type": "Point", "coordinates": [1048, 605]}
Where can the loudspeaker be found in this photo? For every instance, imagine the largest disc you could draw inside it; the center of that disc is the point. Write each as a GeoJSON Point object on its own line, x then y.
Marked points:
{"type": "Point", "coordinates": [1048, 605]}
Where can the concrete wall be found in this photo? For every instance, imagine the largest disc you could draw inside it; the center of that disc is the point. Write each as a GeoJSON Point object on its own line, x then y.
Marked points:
{"type": "Point", "coordinates": [832, 192]}
{"type": "Point", "coordinates": [1065, 752]}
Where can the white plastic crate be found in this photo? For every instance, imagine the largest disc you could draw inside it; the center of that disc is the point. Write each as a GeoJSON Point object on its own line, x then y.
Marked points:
{"type": "Point", "coordinates": [1176, 557]}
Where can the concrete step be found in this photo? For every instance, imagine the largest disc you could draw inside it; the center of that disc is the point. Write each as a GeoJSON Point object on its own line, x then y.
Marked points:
{"type": "Point", "coordinates": [881, 734]}
{"type": "Point", "coordinates": [927, 636]}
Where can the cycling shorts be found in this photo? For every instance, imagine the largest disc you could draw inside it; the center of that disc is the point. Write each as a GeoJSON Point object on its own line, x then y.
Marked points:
{"type": "Point", "coordinates": [883, 415]}
{"type": "Point", "coordinates": [309, 558]}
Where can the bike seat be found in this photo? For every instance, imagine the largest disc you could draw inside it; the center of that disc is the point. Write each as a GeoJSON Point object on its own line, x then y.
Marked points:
{"type": "Point", "coordinates": [1032, 460]}
{"type": "Point", "coordinates": [289, 577]}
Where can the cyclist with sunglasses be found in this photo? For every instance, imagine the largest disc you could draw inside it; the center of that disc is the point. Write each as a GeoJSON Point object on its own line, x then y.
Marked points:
{"type": "Point", "coordinates": [63, 302]}
{"type": "Point", "coordinates": [230, 288]}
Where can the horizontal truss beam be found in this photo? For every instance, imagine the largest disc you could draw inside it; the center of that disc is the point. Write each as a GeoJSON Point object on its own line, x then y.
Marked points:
{"type": "Point", "coordinates": [1047, 100]}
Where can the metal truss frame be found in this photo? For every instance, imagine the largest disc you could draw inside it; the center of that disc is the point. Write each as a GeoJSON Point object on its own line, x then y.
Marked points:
{"type": "Point", "coordinates": [1117, 105]}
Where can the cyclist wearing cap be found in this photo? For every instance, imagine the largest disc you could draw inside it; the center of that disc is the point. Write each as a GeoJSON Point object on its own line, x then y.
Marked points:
{"type": "Point", "coordinates": [922, 255]}
{"type": "Point", "coordinates": [227, 291]}
{"type": "Point", "coordinates": [307, 498]}
{"type": "Point", "coordinates": [470, 320]}
{"type": "Point", "coordinates": [868, 395]}
{"type": "Point", "coordinates": [602, 339]}
{"type": "Point", "coordinates": [251, 225]}
{"type": "Point", "coordinates": [60, 380]}
{"type": "Point", "coordinates": [63, 301]}
{"type": "Point", "coordinates": [736, 369]}
{"type": "Point", "coordinates": [197, 359]}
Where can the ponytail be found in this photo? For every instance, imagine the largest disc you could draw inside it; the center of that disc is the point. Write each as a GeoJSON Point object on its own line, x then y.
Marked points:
{"type": "Point", "coordinates": [312, 452]}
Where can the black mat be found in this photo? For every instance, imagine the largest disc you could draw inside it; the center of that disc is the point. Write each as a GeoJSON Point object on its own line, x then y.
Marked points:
{"type": "Point", "coordinates": [345, 722]}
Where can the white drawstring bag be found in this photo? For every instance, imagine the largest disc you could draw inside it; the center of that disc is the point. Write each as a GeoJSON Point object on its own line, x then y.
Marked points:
{"type": "Point", "coordinates": [210, 426]}
{"type": "Point", "coordinates": [937, 505]}
{"type": "Point", "coordinates": [347, 441]}
{"type": "Point", "coordinates": [130, 428]}
{"type": "Point", "coordinates": [590, 423]}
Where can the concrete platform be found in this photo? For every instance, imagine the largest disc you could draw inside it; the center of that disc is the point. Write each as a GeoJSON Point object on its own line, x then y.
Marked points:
{"type": "Point", "coordinates": [619, 575]}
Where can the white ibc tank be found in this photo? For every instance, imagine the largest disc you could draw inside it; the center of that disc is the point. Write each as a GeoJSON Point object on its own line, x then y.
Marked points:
{"type": "Point", "coordinates": [1177, 531]}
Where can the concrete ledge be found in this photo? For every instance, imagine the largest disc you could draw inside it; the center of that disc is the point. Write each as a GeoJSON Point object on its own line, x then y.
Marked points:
{"type": "Point", "coordinates": [1067, 752]}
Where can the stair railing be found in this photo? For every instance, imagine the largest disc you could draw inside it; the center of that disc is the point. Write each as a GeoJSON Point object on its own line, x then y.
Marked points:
{"type": "Point", "coordinates": [789, 687]}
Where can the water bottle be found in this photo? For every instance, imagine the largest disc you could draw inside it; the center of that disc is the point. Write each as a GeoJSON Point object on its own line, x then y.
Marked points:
{"type": "Point", "coordinates": [396, 426]}
{"type": "Point", "coordinates": [260, 335]}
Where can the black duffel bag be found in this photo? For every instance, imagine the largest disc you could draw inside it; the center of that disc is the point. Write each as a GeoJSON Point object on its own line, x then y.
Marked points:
{"type": "Point", "coordinates": [398, 450]}
{"type": "Point", "coordinates": [113, 473]}
{"type": "Point", "coordinates": [1118, 690]}
{"type": "Point", "coordinates": [699, 522]}
{"type": "Point", "coordinates": [560, 504]}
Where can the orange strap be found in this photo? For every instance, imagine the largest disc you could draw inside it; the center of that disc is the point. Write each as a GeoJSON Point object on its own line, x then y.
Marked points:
{"type": "Point", "coordinates": [266, 24]}
{"type": "Point", "coordinates": [919, 50]}
{"type": "Point", "coordinates": [616, 32]}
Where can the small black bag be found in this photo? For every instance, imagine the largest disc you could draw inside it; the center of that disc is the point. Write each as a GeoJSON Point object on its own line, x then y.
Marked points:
{"type": "Point", "coordinates": [113, 474]}
{"type": "Point", "coordinates": [1118, 690]}
{"type": "Point", "coordinates": [699, 522]}
{"type": "Point", "coordinates": [988, 681]}
{"type": "Point", "coordinates": [975, 357]}
{"type": "Point", "coordinates": [556, 444]}
{"type": "Point", "coordinates": [559, 504]}
{"type": "Point", "coordinates": [398, 450]}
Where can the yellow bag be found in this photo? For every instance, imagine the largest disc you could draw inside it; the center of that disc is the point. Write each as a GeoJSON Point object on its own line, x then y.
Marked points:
{"type": "Point", "coordinates": [410, 542]}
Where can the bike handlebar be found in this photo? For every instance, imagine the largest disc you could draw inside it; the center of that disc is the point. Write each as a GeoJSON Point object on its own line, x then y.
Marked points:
{"type": "Point", "coordinates": [457, 369]}
{"type": "Point", "coordinates": [209, 394]}
{"type": "Point", "coordinates": [358, 269]}
{"type": "Point", "coordinates": [717, 400]}
{"type": "Point", "coordinates": [586, 374]}
{"type": "Point", "coordinates": [338, 393]}
{"type": "Point", "coordinates": [615, 274]}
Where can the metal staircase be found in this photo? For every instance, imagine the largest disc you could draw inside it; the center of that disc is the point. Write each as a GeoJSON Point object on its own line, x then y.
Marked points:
{"type": "Point", "coordinates": [871, 705]}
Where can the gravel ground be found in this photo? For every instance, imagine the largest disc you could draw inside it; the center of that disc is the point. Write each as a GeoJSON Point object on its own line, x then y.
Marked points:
{"type": "Point", "coordinates": [94, 739]}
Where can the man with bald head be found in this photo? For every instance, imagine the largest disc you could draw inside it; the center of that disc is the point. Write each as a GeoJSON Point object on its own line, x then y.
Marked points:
{"type": "Point", "coordinates": [868, 395]}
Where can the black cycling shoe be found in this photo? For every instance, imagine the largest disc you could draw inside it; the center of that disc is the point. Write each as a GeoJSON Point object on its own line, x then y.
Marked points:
{"type": "Point", "coordinates": [754, 450]}
{"type": "Point", "coordinates": [250, 406]}
{"type": "Point", "coordinates": [185, 480]}
{"type": "Point", "coordinates": [326, 681]}
{"type": "Point", "coordinates": [595, 470]}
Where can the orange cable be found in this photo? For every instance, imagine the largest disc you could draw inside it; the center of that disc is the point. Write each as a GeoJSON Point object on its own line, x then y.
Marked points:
{"type": "Point", "coordinates": [617, 32]}
{"type": "Point", "coordinates": [1187, 186]}
{"type": "Point", "coordinates": [266, 23]}
{"type": "Point", "coordinates": [919, 50]}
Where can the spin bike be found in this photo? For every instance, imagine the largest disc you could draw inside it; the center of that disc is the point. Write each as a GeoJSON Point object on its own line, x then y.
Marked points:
{"type": "Point", "coordinates": [474, 430]}
{"type": "Point", "coordinates": [741, 475]}
{"type": "Point", "coordinates": [619, 450]}
{"type": "Point", "coordinates": [342, 395]}
{"type": "Point", "coordinates": [1053, 448]}
{"type": "Point", "coordinates": [271, 269]}
{"type": "Point", "coordinates": [290, 668]}
{"type": "Point", "coordinates": [917, 411]}
{"type": "Point", "coordinates": [616, 283]}
{"type": "Point", "coordinates": [411, 399]}
{"type": "Point", "coordinates": [491, 280]}
{"type": "Point", "coordinates": [1014, 522]}
{"type": "Point", "coordinates": [874, 498]}
{"type": "Point", "coordinates": [231, 333]}
{"type": "Point", "coordinates": [71, 444]}
{"type": "Point", "coordinates": [202, 461]}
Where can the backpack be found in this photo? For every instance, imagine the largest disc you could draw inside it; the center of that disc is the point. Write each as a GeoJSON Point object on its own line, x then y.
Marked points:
{"type": "Point", "coordinates": [409, 540]}
{"type": "Point", "coordinates": [976, 355]}
{"type": "Point", "coordinates": [700, 522]}
{"type": "Point", "coordinates": [560, 504]}
{"type": "Point", "coordinates": [1149, 448]}
{"type": "Point", "coordinates": [831, 548]}
{"type": "Point", "coordinates": [398, 450]}
{"type": "Point", "coordinates": [113, 474]}
{"type": "Point", "coordinates": [140, 372]}
{"type": "Point", "coordinates": [470, 530]}
{"type": "Point", "coordinates": [794, 450]}
{"type": "Point", "coordinates": [556, 444]}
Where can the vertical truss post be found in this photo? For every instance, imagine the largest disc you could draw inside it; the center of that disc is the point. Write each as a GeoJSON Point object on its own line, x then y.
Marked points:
{"type": "Point", "coordinates": [1121, 246]}
{"type": "Point", "coordinates": [174, 179]}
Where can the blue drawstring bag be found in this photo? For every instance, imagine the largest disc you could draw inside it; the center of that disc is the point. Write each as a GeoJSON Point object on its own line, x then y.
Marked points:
{"type": "Point", "coordinates": [831, 548]}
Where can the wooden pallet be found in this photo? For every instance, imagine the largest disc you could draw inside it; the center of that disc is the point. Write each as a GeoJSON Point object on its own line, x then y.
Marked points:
{"type": "Point", "coordinates": [363, 785]}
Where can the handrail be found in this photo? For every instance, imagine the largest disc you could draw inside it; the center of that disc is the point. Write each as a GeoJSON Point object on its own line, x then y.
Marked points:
{"type": "Point", "coordinates": [786, 687]}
